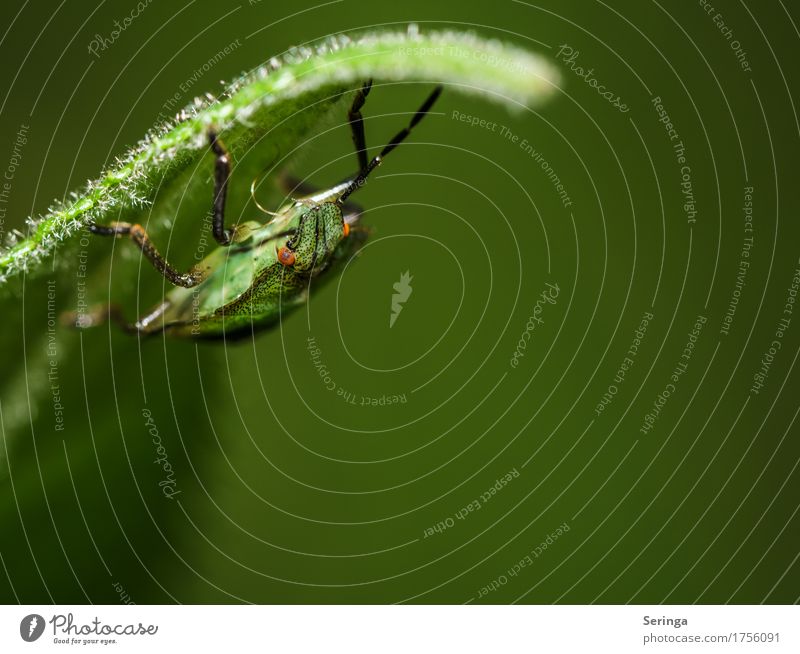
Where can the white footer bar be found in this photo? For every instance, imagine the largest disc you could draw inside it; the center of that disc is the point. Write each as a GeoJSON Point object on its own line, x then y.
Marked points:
{"type": "Point", "coordinates": [400, 629]}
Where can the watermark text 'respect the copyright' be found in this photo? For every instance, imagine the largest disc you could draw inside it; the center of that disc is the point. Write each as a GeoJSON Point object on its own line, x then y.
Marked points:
{"type": "Point", "coordinates": [347, 396]}
{"type": "Point", "coordinates": [483, 57]}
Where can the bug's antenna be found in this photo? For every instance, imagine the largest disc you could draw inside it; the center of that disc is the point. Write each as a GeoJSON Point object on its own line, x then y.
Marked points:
{"type": "Point", "coordinates": [253, 185]}
{"type": "Point", "coordinates": [360, 179]}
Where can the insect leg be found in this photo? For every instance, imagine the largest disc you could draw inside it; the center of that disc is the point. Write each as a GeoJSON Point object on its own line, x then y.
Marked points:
{"type": "Point", "coordinates": [421, 112]}
{"type": "Point", "coordinates": [359, 180]}
{"type": "Point", "coordinates": [357, 124]}
{"type": "Point", "coordinates": [222, 170]}
{"type": "Point", "coordinates": [140, 237]}
{"type": "Point", "coordinates": [102, 313]}
{"type": "Point", "coordinates": [98, 315]}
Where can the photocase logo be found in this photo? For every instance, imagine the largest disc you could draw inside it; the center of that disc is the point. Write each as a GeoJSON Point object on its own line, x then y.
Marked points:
{"type": "Point", "coordinates": [400, 296]}
{"type": "Point", "coordinates": [31, 627]}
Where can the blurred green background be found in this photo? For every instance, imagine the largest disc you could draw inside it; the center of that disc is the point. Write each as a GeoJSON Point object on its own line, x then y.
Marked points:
{"type": "Point", "coordinates": [288, 488]}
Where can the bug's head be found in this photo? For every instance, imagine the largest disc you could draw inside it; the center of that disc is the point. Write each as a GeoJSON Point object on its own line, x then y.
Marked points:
{"type": "Point", "coordinates": [320, 229]}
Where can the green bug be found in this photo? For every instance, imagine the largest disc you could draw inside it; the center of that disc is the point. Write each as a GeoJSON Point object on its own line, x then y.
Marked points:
{"type": "Point", "coordinates": [260, 272]}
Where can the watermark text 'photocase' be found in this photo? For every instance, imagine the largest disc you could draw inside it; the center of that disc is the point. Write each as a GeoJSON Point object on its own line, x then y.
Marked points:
{"type": "Point", "coordinates": [99, 42]}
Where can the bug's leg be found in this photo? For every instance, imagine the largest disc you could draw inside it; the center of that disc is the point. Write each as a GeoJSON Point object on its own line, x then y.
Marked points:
{"type": "Point", "coordinates": [222, 170]}
{"type": "Point", "coordinates": [140, 237]}
{"type": "Point", "coordinates": [358, 181]}
{"type": "Point", "coordinates": [102, 313]}
{"type": "Point", "coordinates": [98, 315]}
{"type": "Point", "coordinates": [357, 124]}
{"type": "Point", "coordinates": [421, 113]}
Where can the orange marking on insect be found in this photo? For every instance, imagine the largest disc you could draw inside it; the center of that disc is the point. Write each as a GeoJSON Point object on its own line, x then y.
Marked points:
{"type": "Point", "coordinates": [286, 256]}
{"type": "Point", "coordinates": [346, 229]}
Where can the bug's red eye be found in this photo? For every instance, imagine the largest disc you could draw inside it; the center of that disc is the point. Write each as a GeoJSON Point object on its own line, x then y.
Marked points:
{"type": "Point", "coordinates": [346, 229]}
{"type": "Point", "coordinates": [286, 256]}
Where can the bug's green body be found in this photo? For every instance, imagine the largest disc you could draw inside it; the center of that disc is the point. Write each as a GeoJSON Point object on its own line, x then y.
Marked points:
{"type": "Point", "coordinates": [259, 272]}
{"type": "Point", "coordinates": [247, 288]}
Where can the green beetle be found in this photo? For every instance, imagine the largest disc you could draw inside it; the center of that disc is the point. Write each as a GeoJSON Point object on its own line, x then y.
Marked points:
{"type": "Point", "coordinates": [260, 271]}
